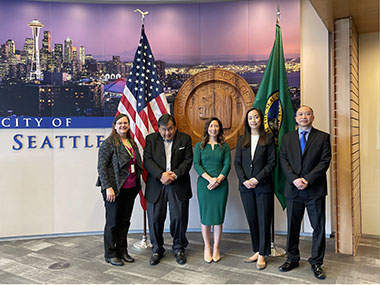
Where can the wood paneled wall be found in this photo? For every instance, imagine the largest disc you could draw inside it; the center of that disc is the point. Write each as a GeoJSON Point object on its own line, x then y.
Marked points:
{"type": "Point", "coordinates": [346, 137]}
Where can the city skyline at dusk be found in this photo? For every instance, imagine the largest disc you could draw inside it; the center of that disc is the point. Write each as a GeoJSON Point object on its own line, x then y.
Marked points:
{"type": "Point", "coordinates": [233, 31]}
{"type": "Point", "coordinates": [84, 48]}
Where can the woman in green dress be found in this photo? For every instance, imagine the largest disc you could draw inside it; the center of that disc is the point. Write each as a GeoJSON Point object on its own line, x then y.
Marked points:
{"type": "Point", "coordinates": [212, 161]}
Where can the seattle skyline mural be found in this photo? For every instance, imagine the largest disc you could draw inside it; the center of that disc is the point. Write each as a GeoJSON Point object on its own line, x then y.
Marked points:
{"type": "Point", "coordinates": [85, 46]}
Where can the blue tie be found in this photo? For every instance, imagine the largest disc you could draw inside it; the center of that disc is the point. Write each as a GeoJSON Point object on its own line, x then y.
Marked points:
{"type": "Point", "coordinates": [303, 141]}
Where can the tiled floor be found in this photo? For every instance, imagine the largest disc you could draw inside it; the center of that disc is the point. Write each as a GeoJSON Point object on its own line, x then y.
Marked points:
{"type": "Point", "coordinates": [31, 261]}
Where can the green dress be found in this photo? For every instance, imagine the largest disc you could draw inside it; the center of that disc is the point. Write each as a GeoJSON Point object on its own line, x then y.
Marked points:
{"type": "Point", "coordinates": [212, 204]}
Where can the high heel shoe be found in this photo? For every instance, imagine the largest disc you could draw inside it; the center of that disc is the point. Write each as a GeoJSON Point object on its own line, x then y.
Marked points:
{"type": "Point", "coordinates": [207, 255]}
{"type": "Point", "coordinates": [216, 255]}
{"type": "Point", "coordinates": [207, 259]}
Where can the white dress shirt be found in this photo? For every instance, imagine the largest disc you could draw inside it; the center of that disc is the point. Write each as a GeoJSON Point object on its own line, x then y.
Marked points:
{"type": "Point", "coordinates": [168, 153]}
{"type": "Point", "coordinates": [254, 141]}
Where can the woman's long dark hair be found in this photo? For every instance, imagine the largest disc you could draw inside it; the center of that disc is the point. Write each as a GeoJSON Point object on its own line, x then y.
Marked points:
{"type": "Point", "coordinates": [206, 136]}
{"type": "Point", "coordinates": [115, 136]}
{"type": "Point", "coordinates": [246, 141]}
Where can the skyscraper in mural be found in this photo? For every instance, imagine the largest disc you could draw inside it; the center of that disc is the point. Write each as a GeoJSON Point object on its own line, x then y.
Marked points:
{"type": "Point", "coordinates": [68, 51]}
{"type": "Point", "coordinates": [28, 48]}
{"type": "Point", "coordinates": [82, 55]}
{"type": "Point", "coordinates": [45, 51]}
{"type": "Point", "coordinates": [10, 48]}
{"type": "Point", "coordinates": [46, 41]}
{"type": "Point", "coordinates": [58, 54]}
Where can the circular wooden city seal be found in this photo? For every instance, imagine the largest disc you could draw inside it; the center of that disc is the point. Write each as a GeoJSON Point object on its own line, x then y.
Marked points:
{"type": "Point", "coordinates": [215, 92]}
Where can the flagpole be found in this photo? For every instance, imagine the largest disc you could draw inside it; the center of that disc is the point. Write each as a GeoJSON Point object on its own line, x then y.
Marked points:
{"type": "Point", "coordinates": [144, 243]}
{"type": "Point", "coordinates": [275, 250]}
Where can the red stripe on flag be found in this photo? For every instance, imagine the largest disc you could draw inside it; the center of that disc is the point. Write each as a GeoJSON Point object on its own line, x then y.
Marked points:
{"type": "Point", "coordinates": [141, 194]}
{"type": "Point", "coordinates": [142, 200]}
{"type": "Point", "coordinates": [144, 119]}
{"type": "Point", "coordinates": [140, 137]}
{"type": "Point", "coordinates": [128, 106]}
{"type": "Point", "coordinates": [152, 118]}
{"type": "Point", "coordinates": [161, 105]}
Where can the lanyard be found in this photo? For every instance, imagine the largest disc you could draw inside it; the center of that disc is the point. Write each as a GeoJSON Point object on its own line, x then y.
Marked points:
{"type": "Point", "coordinates": [129, 152]}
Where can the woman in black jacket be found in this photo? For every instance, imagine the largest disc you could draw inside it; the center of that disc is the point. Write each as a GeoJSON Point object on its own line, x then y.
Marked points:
{"type": "Point", "coordinates": [119, 169]}
{"type": "Point", "coordinates": [255, 160]}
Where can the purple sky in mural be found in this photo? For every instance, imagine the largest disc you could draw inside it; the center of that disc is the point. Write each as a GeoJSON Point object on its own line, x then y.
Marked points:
{"type": "Point", "coordinates": [178, 33]}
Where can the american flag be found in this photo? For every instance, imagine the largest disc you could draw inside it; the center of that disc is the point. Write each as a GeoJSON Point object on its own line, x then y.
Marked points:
{"type": "Point", "coordinates": [143, 97]}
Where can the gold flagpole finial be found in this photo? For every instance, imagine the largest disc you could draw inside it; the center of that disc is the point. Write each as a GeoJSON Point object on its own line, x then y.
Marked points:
{"type": "Point", "coordinates": [142, 15]}
{"type": "Point", "coordinates": [278, 14]}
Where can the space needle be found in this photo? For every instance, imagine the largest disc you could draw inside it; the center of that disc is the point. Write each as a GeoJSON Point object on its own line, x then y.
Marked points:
{"type": "Point", "coordinates": [35, 72]}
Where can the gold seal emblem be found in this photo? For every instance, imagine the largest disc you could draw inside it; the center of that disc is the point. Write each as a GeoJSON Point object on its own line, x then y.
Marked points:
{"type": "Point", "coordinates": [217, 93]}
{"type": "Point", "coordinates": [273, 115]}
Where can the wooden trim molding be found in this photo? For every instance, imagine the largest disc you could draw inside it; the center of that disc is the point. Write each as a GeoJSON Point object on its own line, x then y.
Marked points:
{"type": "Point", "coordinates": [346, 137]}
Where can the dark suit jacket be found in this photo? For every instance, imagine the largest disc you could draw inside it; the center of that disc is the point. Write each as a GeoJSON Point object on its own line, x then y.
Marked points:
{"type": "Point", "coordinates": [312, 165]}
{"type": "Point", "coordinates": [112, 165]}
{"type": "Point", "coordinates": [261, 167]}
{"type": "Point", "coordinates": [155, 164]}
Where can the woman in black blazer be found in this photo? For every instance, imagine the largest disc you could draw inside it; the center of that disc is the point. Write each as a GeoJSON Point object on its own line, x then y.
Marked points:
{"type": "Point", "coordinates": [255, 160]}
{"type": "Point", "coordinates": [119, 169]}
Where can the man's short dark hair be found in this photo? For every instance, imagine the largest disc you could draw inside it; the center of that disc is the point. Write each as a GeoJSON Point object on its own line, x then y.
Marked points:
{"type": "Point", "coordinates": [312, 111]}
{"type": "Point", "coordinates": [165, 119]}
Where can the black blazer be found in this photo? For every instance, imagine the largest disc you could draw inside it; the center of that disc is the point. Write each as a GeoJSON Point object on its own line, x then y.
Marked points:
{"type": "Point", "coordinates": [261, 167]}
{"type": "Point", "coordinates": [312, 165]}
{"type": "Point", "coordinates": [155, 164]}
{"type": "Point", "coordinates": [112, 165]}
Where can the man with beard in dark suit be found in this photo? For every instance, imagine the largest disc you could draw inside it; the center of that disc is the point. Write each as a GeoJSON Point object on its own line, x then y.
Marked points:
{"type": "Point", "coordinates": [305, 157]}
{"type": "Point", "coordinates": [168, 157]}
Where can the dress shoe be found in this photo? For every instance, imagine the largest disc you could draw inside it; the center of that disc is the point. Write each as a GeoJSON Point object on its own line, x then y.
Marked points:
{"type": "Point", "coordinates": [216, 260]}
{"type": "Point", "coordinates": [216, 255]}
{"type": "Point", "coordinates": [207, 255]}
{"type": "Point", "coordinates": [252, 258]}
{"type": "Point", "coordinates": [207, 259]}
{"type": "Point", "coordinates": [127, 258]}
{"type": "Point", "coordinates": [288, 265]}
{"type": "Point", "coordinates": [318, 272]}
{"type": "Point", "coordinates": [114, 261]}
{"type": "Point", "coordinates": [261, 265]}
{"type": "Point", "coordinates": [155, 258]}
{"type": "Point", "coordinates": [180, 257]}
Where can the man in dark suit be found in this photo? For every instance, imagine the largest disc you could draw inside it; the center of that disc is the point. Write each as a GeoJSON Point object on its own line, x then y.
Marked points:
{"type": "Point", "coordinates": [168, 157]}
{"type": "Point", "coordinates": [305, 157]}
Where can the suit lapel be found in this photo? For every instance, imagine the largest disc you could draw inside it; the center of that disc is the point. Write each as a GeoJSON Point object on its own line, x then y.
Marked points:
{"type": "Point", "coordinates": [161, 148]}
{"type": "Point", "coordinates": [123, 156]}
{"type": "Point", "coordinates": [176, 143]}
{"type": "Point", "coordinates": [257, 150]}
{"type": "Point", "coordinates": [246, 152]}
{"type": "Point", "coordinates": [296, 145]}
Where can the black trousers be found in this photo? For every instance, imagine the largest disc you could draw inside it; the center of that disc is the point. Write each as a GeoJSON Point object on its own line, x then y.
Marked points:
{"type": "Point", "coordinates": [179, 216]}
{"type": "Point", "coordinates": [316, 208]}
{"type": "Point", "coordinates": [258, 210]}
{"type": "Point", "coordinates": [118, 220]}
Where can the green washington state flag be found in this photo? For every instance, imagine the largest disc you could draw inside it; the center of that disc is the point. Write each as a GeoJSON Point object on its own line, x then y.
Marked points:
{"type": "Point", "coordinates": [273, 100]}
